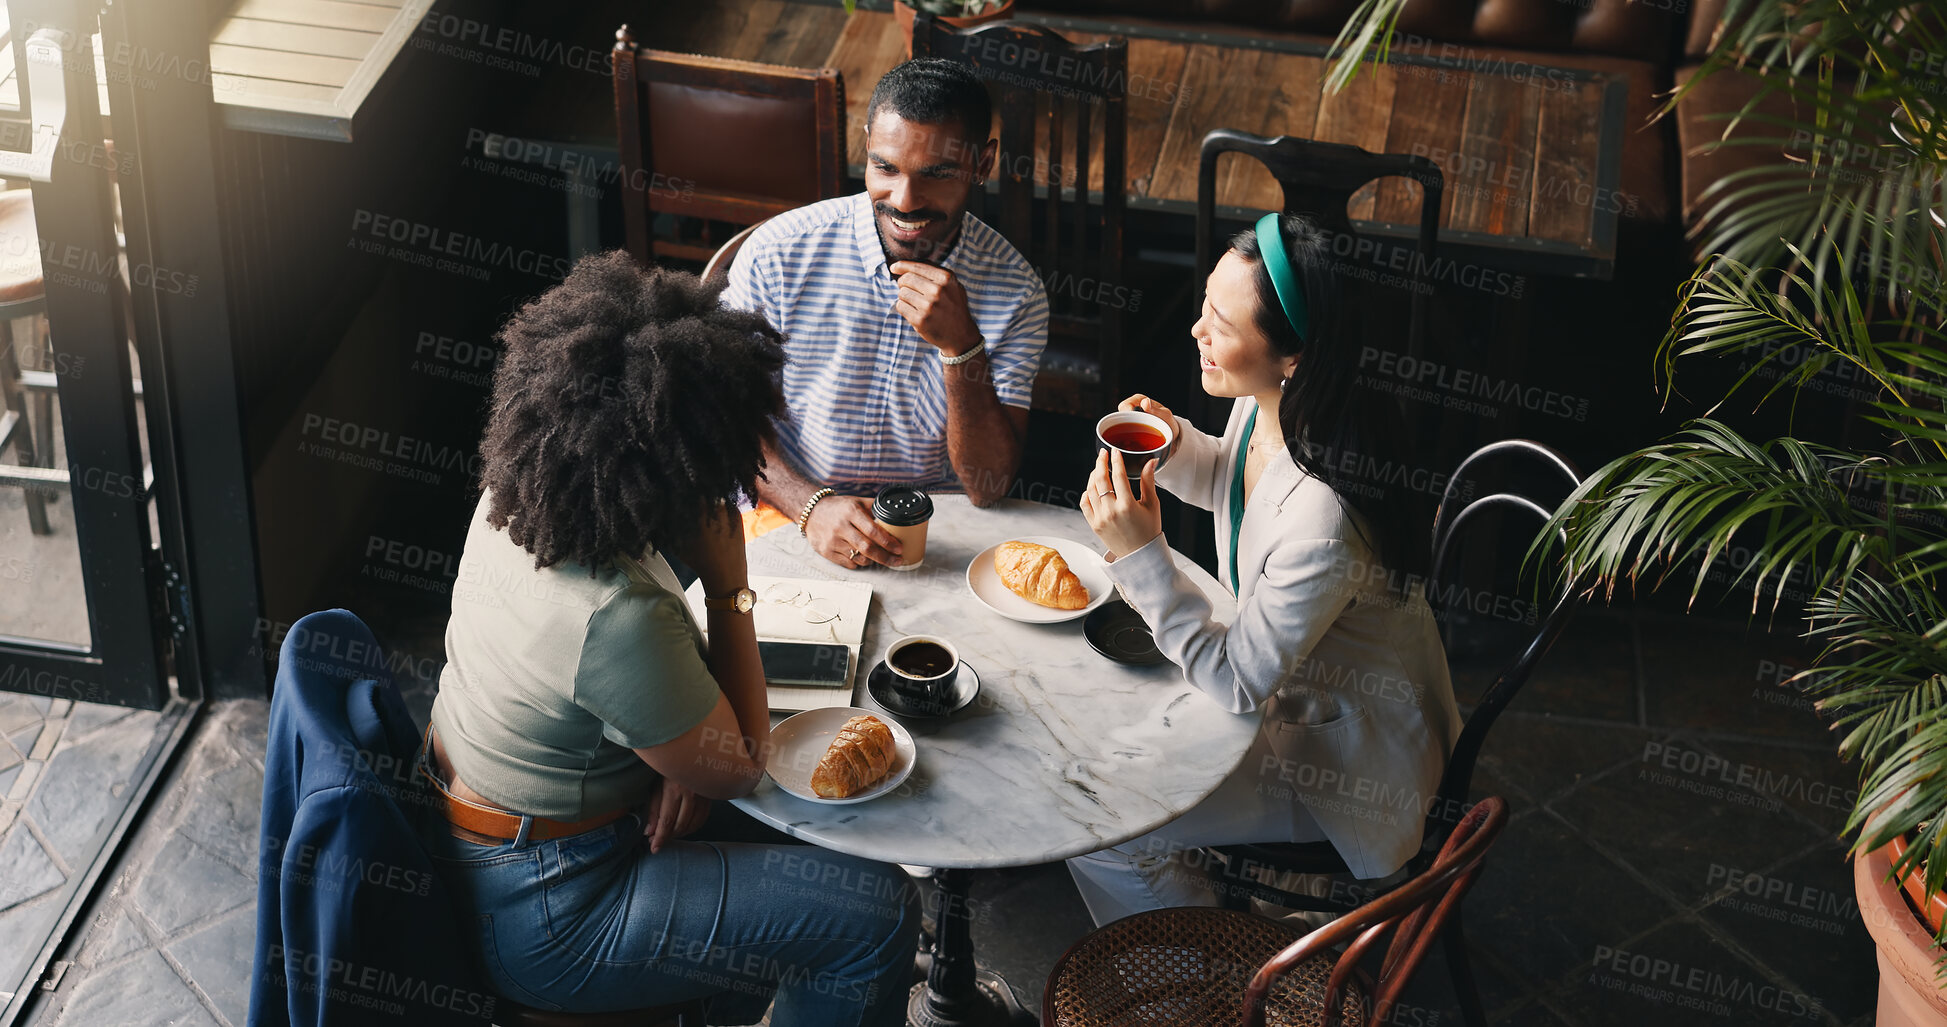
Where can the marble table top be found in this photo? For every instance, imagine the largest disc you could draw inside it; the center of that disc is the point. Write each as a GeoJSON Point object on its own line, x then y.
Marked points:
{"type": "Point", "coordinates": [1063, 752]}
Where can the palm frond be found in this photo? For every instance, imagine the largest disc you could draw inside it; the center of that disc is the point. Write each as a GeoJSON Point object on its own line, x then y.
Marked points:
{"type": "Point", "coordinates": [1646, 514]}
{"type": "Point", "coordinates": [1826, 275]}
{"type": "Point", "coordinates": [1860, 159]}
{"type": "Point", "coordinates": [1367, 34]}
{"type": "Point", "coordinates": [1792, 329]}
{"type": "Point", "coordinates": [1883, 668]}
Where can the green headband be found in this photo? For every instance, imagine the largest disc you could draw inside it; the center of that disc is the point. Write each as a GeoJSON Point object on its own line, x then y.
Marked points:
{"type": "Point", "coordinates": [1270, 243]}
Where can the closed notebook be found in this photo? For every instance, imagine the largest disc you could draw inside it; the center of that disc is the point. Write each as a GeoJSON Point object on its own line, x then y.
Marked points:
{"type": "Point", "coordinates": [805, 610]}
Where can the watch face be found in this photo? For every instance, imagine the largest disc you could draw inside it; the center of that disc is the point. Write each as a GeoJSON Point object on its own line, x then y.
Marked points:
{"type": "Point", "coordinates": [746, 599]}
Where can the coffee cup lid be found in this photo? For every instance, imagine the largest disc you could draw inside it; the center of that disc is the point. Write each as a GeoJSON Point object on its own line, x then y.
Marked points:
{"type": "Point", "coordinates": [902, 506]}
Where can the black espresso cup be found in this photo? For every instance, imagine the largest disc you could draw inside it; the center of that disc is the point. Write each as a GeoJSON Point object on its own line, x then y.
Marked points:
{"type": "Point", "coordinates": [924, 668]}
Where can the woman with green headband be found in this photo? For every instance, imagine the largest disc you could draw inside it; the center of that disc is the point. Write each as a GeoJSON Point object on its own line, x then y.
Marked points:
{"type": "Point", "coordinates": [1324, 545]}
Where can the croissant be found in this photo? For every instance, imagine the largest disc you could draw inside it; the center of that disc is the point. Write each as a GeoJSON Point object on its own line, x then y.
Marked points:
{"type": "Point", "coordinates": [860, 755]}
{"type": "Point", "coordinates": [1039, 575]}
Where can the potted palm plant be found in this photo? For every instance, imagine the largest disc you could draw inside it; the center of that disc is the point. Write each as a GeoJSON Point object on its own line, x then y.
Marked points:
{"type": "Point", "coordinates": [1825, 266]}
{"type": "Point", "coordinates": [957, 13]}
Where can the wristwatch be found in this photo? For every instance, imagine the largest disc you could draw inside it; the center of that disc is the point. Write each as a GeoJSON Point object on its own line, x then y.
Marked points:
{"type": "Point", "coordinates": [740, 601]}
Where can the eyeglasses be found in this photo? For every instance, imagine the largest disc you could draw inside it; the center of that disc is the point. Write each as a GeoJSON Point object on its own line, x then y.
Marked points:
{"type": "Point", "coordinates": [815, 609]}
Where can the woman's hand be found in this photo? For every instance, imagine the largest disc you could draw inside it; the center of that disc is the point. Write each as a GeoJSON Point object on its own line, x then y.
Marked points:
{"type": "Point", "coordinates": [1154, 409]}
{"type": "Point", "coordinates": [717, 553]}
{"type": "Point", "coordinates": [1123, 522]}
{"type": "Point", "coordinates": [673, 811]}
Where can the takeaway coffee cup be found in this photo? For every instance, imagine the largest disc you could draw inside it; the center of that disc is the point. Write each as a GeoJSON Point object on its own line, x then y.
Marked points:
{"type": "Point", "coordinates": [903, 511]}
{"type": "Point", "coordinates": [1140, 437]}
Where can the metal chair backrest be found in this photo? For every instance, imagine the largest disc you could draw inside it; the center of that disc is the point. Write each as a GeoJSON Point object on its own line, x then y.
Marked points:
{"type": "Point", "coordinates": [1318, 180]}
{"type": "Point", "coordinates": [1452, 515]}
{"type": "Point", "coordinates": [721, 139]}
{"type": "Point", "coordinates": [1066, 90]}
{"type": "Point", "coordinates": [1415, 911]}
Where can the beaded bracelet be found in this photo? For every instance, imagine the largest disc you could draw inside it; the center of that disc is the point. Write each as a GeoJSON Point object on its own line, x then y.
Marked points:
{"type": "Point", "coordinates": [805, 517]}
{"type": "Point", "coordinates": [971, 352]}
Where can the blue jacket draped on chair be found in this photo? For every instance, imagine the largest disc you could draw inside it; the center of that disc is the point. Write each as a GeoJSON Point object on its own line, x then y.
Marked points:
{"type": "Point", "coordinates": [353, 927]}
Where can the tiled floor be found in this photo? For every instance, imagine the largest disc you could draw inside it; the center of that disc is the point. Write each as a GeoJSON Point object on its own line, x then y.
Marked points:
{"type": "Point", "coordinates": [1620, 845]}
{"type": "Point", "coordinates": [169, 939]}
{"type": "Point", "coordinates": [68, 772]}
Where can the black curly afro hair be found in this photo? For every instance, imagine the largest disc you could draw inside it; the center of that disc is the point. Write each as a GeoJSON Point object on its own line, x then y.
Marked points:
{"type": "Point", "coordinates": [627, 408]}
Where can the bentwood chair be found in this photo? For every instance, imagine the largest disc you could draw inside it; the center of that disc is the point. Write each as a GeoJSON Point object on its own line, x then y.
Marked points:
{"type": "Point", "coordinates": [1202, 967]}
{"type": "Point", "coordinates": [718, 267]}
{"type": "Point", "coordinates": [721, 140]}
{"type": "Point", "coordinates": [1241, 864]}
{"type": "Point", "coordinates": [1064, 137]}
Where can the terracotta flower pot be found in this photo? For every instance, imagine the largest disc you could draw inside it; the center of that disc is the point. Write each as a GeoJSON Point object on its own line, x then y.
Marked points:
{"type": "Point", "coordinates": [1933, 908]}
{"type": "Point", "coordinates": [904, 13]}
{"type": "Point", "coordinates": [1908, 993]}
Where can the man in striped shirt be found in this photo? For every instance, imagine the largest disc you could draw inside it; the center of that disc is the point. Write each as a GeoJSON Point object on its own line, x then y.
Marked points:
{"type": "Point", "coordinates": [913, 331]}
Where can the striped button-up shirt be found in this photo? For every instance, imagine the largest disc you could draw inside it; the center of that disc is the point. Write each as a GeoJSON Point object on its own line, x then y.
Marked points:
{"type": "Point", "coordinates": [867, 395]}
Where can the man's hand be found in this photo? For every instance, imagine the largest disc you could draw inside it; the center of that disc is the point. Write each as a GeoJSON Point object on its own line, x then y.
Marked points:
{"type": "Point", "coordinates": [932, 300]}
{"type": "Point", "coordinates": [842, 530]}
{"type": "Point", "coordinates": [672, 812]}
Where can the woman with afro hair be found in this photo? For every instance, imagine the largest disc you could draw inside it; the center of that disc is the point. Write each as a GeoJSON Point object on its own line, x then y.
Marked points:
{"type": "Point", "coordinates": [630, 411]}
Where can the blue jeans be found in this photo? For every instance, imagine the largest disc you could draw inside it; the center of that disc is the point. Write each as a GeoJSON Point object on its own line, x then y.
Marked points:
{"type": "Point", "coordinates": [594, 922]}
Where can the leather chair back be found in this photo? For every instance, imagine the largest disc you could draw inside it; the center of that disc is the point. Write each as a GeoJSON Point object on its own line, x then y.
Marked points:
{"type": "Point", "coordinates": [722, 139]}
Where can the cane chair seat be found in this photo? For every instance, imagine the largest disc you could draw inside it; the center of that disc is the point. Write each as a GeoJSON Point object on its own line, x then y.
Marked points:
{"type": "Point", "coordinates": [1186, 967]}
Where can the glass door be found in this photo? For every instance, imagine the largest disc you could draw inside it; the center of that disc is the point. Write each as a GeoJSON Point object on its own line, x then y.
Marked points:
{"type": "Point", "coordinates": [86, 603]}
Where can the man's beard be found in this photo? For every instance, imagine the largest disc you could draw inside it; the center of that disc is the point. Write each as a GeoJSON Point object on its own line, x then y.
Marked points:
{"type": "Point", "coordinates": [924, 249]}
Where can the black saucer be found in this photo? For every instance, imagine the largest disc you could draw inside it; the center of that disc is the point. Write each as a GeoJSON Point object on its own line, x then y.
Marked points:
{"type": "Point", "coordinates": [1117, 631]}
{"type": "Point", "coordinates": [966, 685]}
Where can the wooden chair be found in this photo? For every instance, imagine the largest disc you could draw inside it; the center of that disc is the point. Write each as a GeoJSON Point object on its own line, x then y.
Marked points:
{"type": "Point", "coordinates": [1320, 858]}
{"type": "Point", "coordinates": [1188, 967]}
{"type": "Point", "coordinates": [1319, 180]}
{"type": "Point", "coordinates": [1066, 92]}
{"type": "Point", "coordinates": [720, 140]}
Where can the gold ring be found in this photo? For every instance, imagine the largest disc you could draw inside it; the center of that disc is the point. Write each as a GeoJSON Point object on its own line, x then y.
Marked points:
{"type": "Point", "coordinates": [854, 556]}
{"type": "Point", "coordinates": [1106, 492]}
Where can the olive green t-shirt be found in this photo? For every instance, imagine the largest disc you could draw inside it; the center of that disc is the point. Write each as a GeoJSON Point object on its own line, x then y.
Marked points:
{"type": "Point", "coordinates": [554, 675]}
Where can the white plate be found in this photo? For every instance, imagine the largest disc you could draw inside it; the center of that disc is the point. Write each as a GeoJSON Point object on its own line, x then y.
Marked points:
{"type": "Point", "coordinates": [985, 582]}
{"type": "Point", "coordinates": [800, 741]}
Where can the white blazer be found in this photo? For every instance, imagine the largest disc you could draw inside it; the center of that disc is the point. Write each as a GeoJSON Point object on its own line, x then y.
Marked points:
{"type": "Point", "coordinates": [1361, 712]}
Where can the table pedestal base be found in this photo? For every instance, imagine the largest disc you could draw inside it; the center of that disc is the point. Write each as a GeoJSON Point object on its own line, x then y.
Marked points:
{"type": "Point", "coordinates": [992, 1004]}
{"type": "Point", "coordinates": [956, 992]}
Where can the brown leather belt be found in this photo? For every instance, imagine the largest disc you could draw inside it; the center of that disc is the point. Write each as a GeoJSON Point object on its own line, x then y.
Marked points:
{"type": "Point", "coordinates": [473, 821]}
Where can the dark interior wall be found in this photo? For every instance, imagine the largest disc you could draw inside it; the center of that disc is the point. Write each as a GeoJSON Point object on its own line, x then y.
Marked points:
{"type": "Point", "coordinates": [368, 279]}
